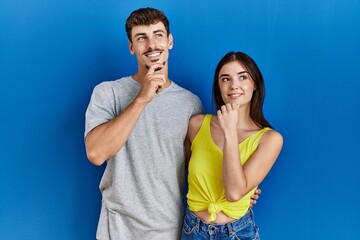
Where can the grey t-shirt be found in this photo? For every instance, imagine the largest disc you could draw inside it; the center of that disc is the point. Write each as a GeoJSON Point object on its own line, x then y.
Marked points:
{"type": "Point", "coordinates": [143, 183]}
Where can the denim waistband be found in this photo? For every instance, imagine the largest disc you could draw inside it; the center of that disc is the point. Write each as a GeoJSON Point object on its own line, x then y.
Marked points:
{"type": "Point", "coordinates": [236, 225]}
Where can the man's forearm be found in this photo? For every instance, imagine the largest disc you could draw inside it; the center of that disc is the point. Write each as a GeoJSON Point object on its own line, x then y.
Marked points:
{"type": "Point", "coordinates": [107, 139]}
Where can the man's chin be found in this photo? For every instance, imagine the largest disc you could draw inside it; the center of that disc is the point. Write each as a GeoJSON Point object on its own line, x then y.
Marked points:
{"type": "Point", "coordinates": [157, 69]}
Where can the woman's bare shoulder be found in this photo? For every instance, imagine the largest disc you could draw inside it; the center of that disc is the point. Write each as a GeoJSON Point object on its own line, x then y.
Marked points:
{"type": "Point", "coordinates": [194, 125]}
{"type": "Point", "coordinates": [272, 137]}
{"type": "Point", "coordinates": [197, 118]}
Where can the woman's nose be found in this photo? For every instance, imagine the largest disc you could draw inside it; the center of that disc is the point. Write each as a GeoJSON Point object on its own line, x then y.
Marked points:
{"type": "Point", "coordinates": [234, 85]}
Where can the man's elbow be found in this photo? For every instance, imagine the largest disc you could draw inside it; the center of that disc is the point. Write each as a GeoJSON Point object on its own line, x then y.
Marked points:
{"type": "Point", "coordinates": [94, 157]}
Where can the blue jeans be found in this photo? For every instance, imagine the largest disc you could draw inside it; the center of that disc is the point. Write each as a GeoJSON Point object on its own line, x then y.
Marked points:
{"type": "Point", "coordinates": [241, 229]}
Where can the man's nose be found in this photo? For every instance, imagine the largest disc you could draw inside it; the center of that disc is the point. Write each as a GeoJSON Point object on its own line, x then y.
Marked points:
{"type": "Point", "coordinates": [151, 43]}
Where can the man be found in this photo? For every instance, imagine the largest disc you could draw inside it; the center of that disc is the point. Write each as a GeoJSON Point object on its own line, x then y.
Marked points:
{"type": "Point", "coordinates": [138, 125]}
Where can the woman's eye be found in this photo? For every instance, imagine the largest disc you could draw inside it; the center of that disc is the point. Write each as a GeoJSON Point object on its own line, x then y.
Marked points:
{"type": "Point", "coordinates": [225, 79]}
{"type": "Point", "coordinates": [243, 77]}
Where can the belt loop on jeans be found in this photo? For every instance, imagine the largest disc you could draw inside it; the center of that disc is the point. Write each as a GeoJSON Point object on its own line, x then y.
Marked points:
{"type": "Point", "coordinates": [229, 228]}
{"type": "Point", "coordinates": [197, 223]}
{"type": "Point", "coordinates": [251, 214]}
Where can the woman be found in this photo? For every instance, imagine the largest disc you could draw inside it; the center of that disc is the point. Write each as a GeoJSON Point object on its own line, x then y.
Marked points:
{"type": "Point", "coordinates": [231, 153]}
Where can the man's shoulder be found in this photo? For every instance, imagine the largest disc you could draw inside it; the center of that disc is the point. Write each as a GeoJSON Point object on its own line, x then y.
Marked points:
{"type": "Point", "coordinates": [113, 83]}
{"type": "Point", "coordinates": [187, 99]}
{"type": "Point", "coordinates": [183, 90]}
{"type": "Point", "coordinates": [117, 84]}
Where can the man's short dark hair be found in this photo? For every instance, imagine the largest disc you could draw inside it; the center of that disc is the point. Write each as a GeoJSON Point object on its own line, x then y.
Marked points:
{"type": "Point", "coordinates": [146, 17]}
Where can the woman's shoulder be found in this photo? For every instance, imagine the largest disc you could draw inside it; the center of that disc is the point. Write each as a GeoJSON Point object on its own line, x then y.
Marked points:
{"type": "Point", "coordinates": [197, 118]}
{"type": "Point", "coordinates": [272, 137]}
{"type": "Point", "coordinates": [195, 123]}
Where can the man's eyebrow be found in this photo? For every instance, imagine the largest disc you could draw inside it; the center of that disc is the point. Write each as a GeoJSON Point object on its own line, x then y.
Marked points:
{"type": "Point", "coordinates": [144, 34]}
{"type": "Point", "coordinates": [139, 34]}
{"type": "Point", "coordinates": [160, 30]}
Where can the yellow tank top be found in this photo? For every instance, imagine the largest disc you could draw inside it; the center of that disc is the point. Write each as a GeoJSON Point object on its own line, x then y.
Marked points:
{"type": "Point", "coordinates": [206, 190]}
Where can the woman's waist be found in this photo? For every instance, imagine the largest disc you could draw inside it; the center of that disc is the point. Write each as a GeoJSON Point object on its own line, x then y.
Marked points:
{"type": "Point", "coordinates": [221, 217]}
{"type": "Point", "coordinates": [220, 213]}
{"type": "Point", "coordinates": [235, 224]}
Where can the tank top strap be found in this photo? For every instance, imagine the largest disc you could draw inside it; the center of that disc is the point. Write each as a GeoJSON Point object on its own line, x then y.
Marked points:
{"type": "Point", "coordinates": [264, 130]}
{"type": "Point", "coordinates": [204, 131]}
{"type": "Point", "coordinates": [207, 121]}
{"type": "Point", "coordinates": [255, 138]}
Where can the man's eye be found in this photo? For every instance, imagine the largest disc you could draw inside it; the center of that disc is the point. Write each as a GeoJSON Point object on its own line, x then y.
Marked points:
{"type": "Point", "coordinates": [141, 39]}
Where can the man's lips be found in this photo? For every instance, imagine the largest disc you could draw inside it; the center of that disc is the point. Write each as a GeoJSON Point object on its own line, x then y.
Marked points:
{"type": "Point", "coordinates": [153, 54]}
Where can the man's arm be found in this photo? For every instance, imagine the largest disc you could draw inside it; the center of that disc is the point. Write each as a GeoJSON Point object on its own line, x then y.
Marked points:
{"type": "Point", "coordinates": [105, 140]}
{"type": "Point", "coordinates": [255, 197]}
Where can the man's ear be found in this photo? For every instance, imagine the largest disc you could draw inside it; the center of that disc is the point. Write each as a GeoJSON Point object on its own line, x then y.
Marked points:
{"type": "Point", "coordinates": [131, 47]}
{"type": "Point", "coordinates": [170, 41]}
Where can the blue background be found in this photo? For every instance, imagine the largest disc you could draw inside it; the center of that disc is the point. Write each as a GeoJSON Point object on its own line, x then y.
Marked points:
{"type": "Point", "coordinates": [53, 53]}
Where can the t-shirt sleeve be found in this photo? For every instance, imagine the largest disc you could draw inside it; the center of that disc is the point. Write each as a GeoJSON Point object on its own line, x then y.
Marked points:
{"type": "Point", "coordinates": [199, 109]}
{"type": "Point", "coordinates": [101, 107]}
